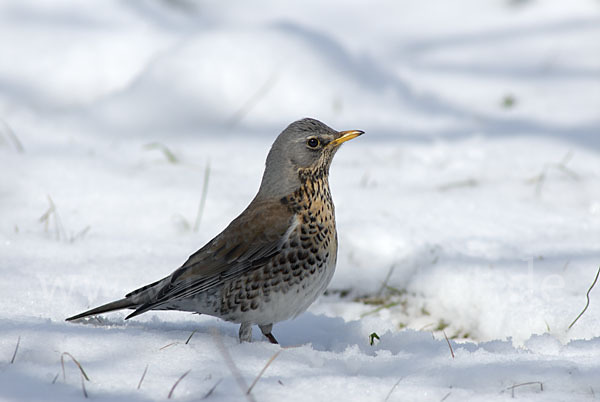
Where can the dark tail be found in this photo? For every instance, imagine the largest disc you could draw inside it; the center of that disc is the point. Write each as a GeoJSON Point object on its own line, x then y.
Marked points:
{"type": "Point", "coordinates": [116, 305]}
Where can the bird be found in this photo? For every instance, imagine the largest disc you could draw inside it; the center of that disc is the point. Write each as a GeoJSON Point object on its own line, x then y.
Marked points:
{"type": "Point", "coordinates": [272, 261]}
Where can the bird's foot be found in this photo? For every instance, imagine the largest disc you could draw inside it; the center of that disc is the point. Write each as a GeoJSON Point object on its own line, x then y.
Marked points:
{"type": "Point", "coordinates": [271, 338]}
{"type": "Point", "coordinates": [266, 330]}
{"type": "Point", "coordinates": [245, 332]}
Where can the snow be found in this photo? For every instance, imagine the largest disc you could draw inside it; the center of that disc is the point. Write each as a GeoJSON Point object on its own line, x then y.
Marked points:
{"type": "Point", "coordinates": [474, 195]}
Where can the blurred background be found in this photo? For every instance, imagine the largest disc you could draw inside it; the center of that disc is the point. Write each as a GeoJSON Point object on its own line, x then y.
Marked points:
{"type": "Point", "coordinates": [416, 70]}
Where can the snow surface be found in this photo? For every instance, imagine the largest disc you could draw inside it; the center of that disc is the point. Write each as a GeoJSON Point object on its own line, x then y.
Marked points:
{"type": "Point", "coordinates": [474, 196]}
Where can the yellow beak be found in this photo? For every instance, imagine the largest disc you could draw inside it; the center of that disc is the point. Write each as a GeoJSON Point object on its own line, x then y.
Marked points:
{"type": "Point", "coordinates": [345, 136]}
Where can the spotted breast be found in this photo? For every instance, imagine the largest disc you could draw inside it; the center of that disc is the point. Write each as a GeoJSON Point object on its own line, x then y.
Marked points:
{"type": "Point", "coordinates": [291, 281]}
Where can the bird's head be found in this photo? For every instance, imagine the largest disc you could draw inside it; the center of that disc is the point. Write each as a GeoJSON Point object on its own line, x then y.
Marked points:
{"type": "Point", "coordinates": [306, 146]}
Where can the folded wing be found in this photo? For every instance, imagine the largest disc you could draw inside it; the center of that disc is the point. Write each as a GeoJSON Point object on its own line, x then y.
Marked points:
{"type": "Point", "coordinates": [247, 243]}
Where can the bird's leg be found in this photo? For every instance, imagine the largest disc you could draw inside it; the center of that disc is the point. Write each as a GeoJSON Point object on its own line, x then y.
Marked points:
{"type": "Point", "coordinates": [246, 332]}
{"type": "Point", "coordinates": [266, 330]}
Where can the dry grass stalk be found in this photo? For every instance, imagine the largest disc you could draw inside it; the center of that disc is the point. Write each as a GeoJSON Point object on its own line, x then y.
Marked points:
{"type": "Point", "coordinates": [190, 337]}
{"type": "Point", "coordinates": [202, 198]}
{"type": "Point", "coordinates": [177, 383]}
{"type": "Point", "coordinates": [231, 365]}
{"type": "Point", "coordinates": [212, 389]}
{"type": "Point", "coordinates": [392, 390]}
{"type": "Point", "coordinates": [143, 376]}
{"type": "Point", "coordinates": [263, 371]}
{"type": "Point", "coordinates": [449, 345]}
{"type": "Point", "coordinates": [587, 295]}
{"type": "Point", "coordinates": [62, 363]}
{"type": "Point", "coordinates": [512, 388]}
{"type": "Point", "coordinates": [85, 394]}
{"type": "Point", "coordinates": [16, 349]}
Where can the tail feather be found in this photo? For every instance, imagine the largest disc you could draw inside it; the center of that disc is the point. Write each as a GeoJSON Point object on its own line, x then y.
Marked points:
{"type": "Point", "coordinates": [116, 305]}
{"type": "Point", "coordinates": [141, 309]}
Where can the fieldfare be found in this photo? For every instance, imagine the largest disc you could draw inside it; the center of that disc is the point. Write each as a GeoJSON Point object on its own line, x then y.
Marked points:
{"type": "Point", "coordinates": [272, 261]}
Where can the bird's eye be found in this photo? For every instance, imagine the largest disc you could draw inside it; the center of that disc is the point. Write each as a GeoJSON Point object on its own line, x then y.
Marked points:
{"type": "Point", "coordinates": [312, 142]}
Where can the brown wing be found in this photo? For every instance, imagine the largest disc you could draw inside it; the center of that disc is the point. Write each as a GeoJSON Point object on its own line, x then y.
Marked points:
{"type": "Point", "coordinates": [248, 242]}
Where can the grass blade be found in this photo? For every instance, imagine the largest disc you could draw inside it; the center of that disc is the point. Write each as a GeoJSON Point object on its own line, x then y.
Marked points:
{"type": "Point", "coordinates": [143, 376]}
{"type": "Point", "coordinates": [15, 352]}
{"type": "Point", "coordinates": [449, 345]}
{"type": "Point", "coordinates": [202, 197]}
{"type": "Point", "coordinates": [62, 363]}
{"type": "Point", "coordinates": [587, 295]}
{"type": "Point", "coordinates": [190, 337]}
{"type": "Point", "coordinates": [263, 371]}
{"type": "Point", "coordinates": [231, 365]}
{"type": "Point", "coordinates": [212, 389]}
{"type": "Point", "coordinates": [177, 383]}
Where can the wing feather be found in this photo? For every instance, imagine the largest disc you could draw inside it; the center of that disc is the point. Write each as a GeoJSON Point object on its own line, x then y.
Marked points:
{"type": "Point", "coordinates": [248, 242]}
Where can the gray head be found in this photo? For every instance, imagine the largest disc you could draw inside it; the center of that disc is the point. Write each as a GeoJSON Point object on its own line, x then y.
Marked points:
{"type": "Point", "coordinates": [306, 145]}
